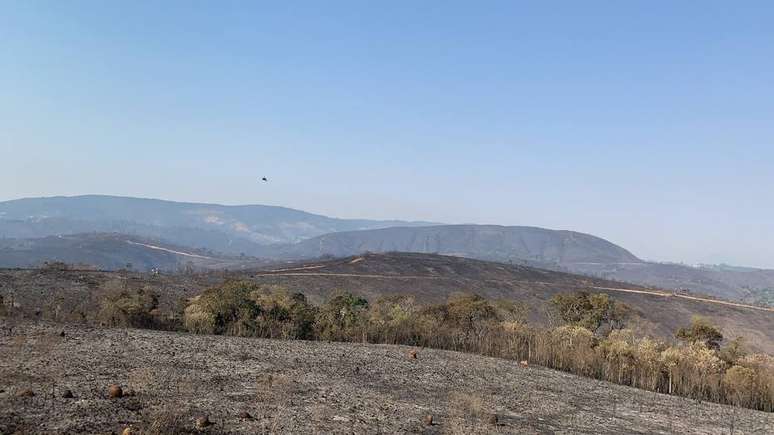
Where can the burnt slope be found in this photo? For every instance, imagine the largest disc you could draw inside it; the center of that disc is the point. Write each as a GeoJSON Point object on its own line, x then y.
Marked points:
{"type": "Point", "coordinates": [316, 387]}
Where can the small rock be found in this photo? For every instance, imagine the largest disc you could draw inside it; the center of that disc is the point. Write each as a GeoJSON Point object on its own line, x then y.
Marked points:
{"type": "Point", "coordinates": [25, 393]}
{"type": "Point", "coordinates": [492, 419]}
{"type": "Point", "coordinates": [427, 420]}
{"type": "Point", "coordinates": [202, 422]}
{"type": "Point", "coordinates": [115, 392]}
{"type": "Point", "coordinates": [245, 415]}
{"type": "Point", "coordinates": [67, 394]}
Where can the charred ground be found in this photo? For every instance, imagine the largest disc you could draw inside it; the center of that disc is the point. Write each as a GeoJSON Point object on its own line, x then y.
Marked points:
{"type": "Point", "coordinates": [313, 387]}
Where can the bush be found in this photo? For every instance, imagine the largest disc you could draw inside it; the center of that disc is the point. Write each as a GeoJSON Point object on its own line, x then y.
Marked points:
{"type": "Point", "coordinates": [701, 330]}
{"type": "Point", "coordinates": [133, 309]}
{"type": "Point", "coordinates": [342, 318]}
{"type": "Point", "coordinates": [247, 309]}
{"type": "Point", "coordinates": [739, 383]}
{"type": "Point", "coordinates": [283, 315]}
{"type": "Point", "coordinates": [733, 351]}
{"type": "Point", "coordinates": [763, 366]}
{"type": "Point", "coordinates": [227, 309]}
{"type": "Point", "coordinates": [394, 320]}
{"type": "Point", "coordinates": [591, 311]}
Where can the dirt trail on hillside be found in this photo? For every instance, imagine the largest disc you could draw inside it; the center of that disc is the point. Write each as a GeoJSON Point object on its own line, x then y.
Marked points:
{"type": "Point", "coordinates": [171, 251]}
{"type": "Point", "coordinates": [300, 272]}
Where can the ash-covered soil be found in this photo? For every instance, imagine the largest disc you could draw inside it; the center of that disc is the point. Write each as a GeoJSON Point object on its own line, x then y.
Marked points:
{"type": "Point", "coordinates": [313, 387]}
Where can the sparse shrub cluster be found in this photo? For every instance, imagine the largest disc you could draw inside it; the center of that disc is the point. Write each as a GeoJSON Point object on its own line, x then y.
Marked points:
{"type": "Point", "coordinates": [596, 312]}
{"type": "Point", "coordinates": [247, 309]}
{"type": "Point", "coordinates": [591, 340]}
{"type": "Point", "coordinates": [702, 331]}
{"type": "Point", "coordinates": [136, 309]}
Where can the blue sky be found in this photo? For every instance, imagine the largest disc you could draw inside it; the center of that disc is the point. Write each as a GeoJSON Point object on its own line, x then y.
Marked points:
{"type": "Point", "coordinates": [647, 123]}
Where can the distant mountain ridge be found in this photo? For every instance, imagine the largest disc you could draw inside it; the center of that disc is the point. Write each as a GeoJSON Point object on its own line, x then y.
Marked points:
{"type": "Point", "coordinates": [279, 233]}
{"type": "Point", "coordinates": [227, 229]}
{"type": "Point", "coordinates": [485, 242]}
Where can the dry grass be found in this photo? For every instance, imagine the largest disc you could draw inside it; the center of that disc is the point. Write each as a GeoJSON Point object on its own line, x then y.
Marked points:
{"type": "Point", "coordinates": [470, 323]}
{"type": "Point", "coordinates": [167, 421]}
{"type": "Point", "coordinates": [469, 414]}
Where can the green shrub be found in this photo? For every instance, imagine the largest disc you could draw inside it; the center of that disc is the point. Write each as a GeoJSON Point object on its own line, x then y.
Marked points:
{"type": "Point", "coordinates": [130, 308]}
{"type": "Point", "coordinates": [394, 319]}
{"type": "Point", "coordinates": [248, 309]}
{"type": "Point", "coordinates": [733, 351]}
{"type": "Point", "coordinates": [227, 309]}
{"type": "Point", "coordinates": [342, 318]}
{"type": "Point", "coordinates": [591, 311]}
{"type": "Point", "coordinates": [283, 315]}
{"type": "Point", "coordinates": [701, 330]}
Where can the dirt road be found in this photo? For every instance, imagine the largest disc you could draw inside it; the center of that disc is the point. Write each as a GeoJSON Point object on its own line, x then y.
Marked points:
{"type": "Point", "coordinates": [301, 272]}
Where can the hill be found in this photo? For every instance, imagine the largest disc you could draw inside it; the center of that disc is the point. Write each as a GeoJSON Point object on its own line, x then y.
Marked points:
{"type": "Point", "coordinates": [485, 242]}
{"type": "Point", "coordinates": [227, 229]}
{"type": "Point", "coordinates": [315, 387]}
{"type": "Point", "coordinates": [111, 252]}
{"type": "Point", "coordinates": [549, 249]}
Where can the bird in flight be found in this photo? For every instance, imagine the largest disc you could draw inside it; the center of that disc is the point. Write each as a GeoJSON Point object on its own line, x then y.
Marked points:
{"type": "Point", "coordinates": [264, 179]}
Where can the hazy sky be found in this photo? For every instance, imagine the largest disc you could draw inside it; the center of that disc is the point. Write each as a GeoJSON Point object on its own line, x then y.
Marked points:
{"type": "Point", "coordinates": [648, 123]}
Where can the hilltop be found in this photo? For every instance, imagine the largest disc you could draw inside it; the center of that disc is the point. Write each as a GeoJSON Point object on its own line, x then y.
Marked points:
{"type": "Point", "coordinates": [485, 242]}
